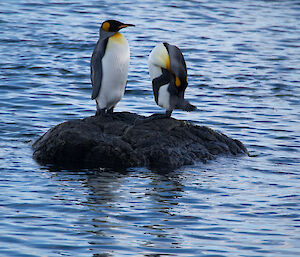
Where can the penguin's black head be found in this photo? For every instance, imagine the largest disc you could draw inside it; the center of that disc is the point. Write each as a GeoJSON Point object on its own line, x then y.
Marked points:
{"type": "Point", "coordinates": [114, 26]}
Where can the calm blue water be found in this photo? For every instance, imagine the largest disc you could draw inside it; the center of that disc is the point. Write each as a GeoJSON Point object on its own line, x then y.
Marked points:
{"type": "Point", "coordinates": [243, 61]}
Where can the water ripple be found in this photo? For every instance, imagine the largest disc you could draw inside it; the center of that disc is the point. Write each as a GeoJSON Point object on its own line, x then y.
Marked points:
{"type": "Point", "coordinates": [243, 70]}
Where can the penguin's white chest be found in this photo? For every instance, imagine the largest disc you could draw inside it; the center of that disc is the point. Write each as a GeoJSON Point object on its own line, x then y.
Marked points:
{"type": "Point", "coordinates": [164, 97]}
{"type": "Point", "coordinates": [114, 71]}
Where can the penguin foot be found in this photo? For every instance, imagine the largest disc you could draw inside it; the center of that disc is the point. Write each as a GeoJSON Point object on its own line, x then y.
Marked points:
{"type": "Point", "coordinates": [155, 116]}
{"type": "Point", "coordinates": [158, 116]}
{"type": "Point", "coordinates": [100, 112]}
{"type": "Point", "coordinates": [111, 110]}
{"type": "Point", "coordinates": [104, 112]}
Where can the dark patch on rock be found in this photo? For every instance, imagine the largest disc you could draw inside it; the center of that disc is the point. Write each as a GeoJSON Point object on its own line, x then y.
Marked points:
{"type": "Point", "coordinates": [124, 140]}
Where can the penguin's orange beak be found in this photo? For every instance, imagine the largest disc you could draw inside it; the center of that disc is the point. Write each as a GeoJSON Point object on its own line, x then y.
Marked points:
{"type": "Point", "coordinates": [126, 25]}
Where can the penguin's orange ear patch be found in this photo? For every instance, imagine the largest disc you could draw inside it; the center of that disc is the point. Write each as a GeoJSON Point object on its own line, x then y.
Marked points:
{"type": "Point", "coordinates": [106, 26]}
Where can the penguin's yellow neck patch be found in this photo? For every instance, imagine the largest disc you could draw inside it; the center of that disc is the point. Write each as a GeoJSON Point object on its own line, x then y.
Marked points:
{"type": "Point", "coordinates": [160, 57]}
{"type": "Point", "coordinates": [167, 61]}
{"type": "Point", "coordinates": [165, 58]}
{"type": "Point", "coordinates": [177, 82]}
{"type": "Point", "coordinates": [118, 38]}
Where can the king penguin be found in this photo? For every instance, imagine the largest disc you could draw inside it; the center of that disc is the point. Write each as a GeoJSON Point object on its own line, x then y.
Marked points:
{"type": "Point", "coordinates": [168, 74]}
{"type": "Point", "coordinates": [109, 66]}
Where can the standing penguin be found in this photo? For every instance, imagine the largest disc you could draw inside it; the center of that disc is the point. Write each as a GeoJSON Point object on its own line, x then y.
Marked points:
{"type": "Point", "coordinates": [109, 66]}
{"type": "Point", "coordinates": [169, 78]}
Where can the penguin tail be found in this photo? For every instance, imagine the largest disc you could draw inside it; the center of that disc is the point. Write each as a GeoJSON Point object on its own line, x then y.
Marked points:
{"type": "Point", "coordinates": [185, 106]}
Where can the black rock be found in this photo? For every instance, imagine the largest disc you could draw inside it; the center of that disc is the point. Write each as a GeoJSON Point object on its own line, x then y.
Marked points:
{"type": "Point", "coordinates": [123, 140]}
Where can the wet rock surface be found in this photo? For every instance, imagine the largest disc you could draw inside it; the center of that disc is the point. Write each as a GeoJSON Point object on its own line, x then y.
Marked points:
{"type": "Point", "coordinates": [123, 140]}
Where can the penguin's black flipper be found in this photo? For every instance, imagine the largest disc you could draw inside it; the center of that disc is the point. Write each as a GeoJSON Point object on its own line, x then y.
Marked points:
{"type": "Point", "coordinates": [96, 66]}
{"type": "Point", "coordinates": [163, 79]}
